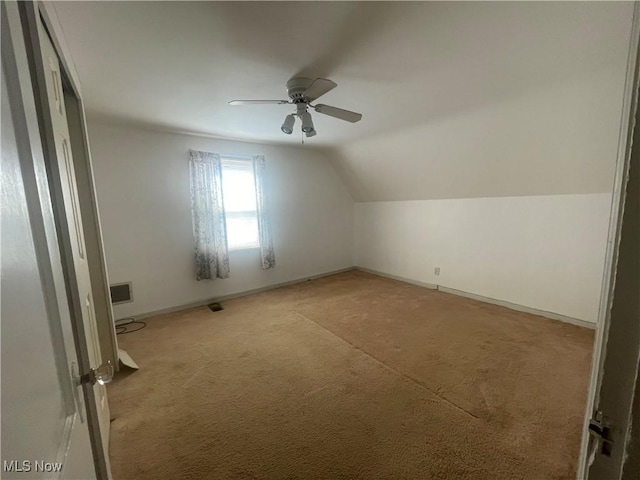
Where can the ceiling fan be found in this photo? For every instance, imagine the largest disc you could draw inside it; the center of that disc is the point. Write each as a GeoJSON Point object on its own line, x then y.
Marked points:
{"type": "Point", "coordinates": [303, 91]}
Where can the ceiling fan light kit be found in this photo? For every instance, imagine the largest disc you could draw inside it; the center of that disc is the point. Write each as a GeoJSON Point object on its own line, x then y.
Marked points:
{"type": "Point", "coordinates": [303, 91]}
{"type": "Point", "coordinates": [307, 121]}
{"type": "Point", "coordinates": [287, 126]}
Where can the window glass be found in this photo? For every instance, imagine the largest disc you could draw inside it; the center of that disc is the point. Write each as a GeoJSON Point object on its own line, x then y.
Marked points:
{"type": "Point", "coordinates": [239, 193]}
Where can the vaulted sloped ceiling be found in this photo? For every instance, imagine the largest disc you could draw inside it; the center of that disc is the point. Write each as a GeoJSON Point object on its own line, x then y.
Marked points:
{"type": "Point", "coordinates": [459, 99]}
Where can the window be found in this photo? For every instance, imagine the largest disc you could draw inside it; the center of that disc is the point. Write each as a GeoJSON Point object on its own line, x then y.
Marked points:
{"type": "Point", "coordinates": [239, 194]}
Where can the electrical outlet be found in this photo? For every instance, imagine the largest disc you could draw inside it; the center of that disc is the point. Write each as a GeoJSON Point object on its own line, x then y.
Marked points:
{"type": "Point", "coordinates": [437, 271]}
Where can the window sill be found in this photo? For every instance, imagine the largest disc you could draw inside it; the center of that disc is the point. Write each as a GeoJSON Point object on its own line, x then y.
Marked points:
{"type": "Point", "coordinates": [239, 249]}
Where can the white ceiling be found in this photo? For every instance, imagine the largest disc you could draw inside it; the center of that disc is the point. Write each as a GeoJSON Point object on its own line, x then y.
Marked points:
{"type": "Point", "coordinates": [459, 99]}
{"type": "Point", "coordinates": [177, 64]}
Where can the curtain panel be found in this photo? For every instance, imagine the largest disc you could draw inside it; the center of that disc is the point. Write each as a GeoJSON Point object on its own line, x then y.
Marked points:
{"type": "Point", "coordinates": [209, 222]}
{"type": "Point", "coordinates": [264, 220]}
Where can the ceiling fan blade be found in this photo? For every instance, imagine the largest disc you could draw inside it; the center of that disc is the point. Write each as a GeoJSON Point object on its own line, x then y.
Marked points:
{"type": "Point", "coordinates": [346, 115]}
{"type": "Point", "coordinates": [258, 102]}
{"type": "Point", "coordinates": [319, 87]}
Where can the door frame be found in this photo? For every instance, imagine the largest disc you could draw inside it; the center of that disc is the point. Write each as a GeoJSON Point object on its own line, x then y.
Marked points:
{"type": "Point", "coordinates": [86, 185]}
{"type": "Point", "coordinates": [23, 111]}
{"type": "Point", "coordinates": [623, 161]}
{"type": "Point", "coordinates": [30, 14]}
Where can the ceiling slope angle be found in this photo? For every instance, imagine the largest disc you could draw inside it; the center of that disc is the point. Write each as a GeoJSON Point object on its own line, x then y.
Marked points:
{"type": "Point", "coordinates": [176, 65]}
{"type": "Point", "coordinates": [410, 67]}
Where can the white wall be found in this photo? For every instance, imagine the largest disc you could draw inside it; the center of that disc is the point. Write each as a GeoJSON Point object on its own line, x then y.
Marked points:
{"type": "Point", "coordinates": [561, 138]}
{"type": "Point", "coordinates": [506, 190]}
{"type": "Point", "coordinates": [550, 131]}
{"type": "Point", "coordinates": [544, 252]}
{"type": "Point", "coordinates": [502, 180]}
{"type": "Point", "coordinates": [142, 185]}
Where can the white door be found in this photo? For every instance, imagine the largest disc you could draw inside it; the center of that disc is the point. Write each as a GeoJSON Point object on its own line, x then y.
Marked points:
{"type": "Point", "coordinates": [66, 173]}
{"type": "Point", "coordinates": [617, 373]}
{"type": "Point", "coordinates": [617, 345]}
{"type": "Point", "coordinates": [44, 426]}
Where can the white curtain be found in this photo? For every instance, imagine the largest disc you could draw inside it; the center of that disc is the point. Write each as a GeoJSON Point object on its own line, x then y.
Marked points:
{"type": "Point", "coordinates": [209, 223]}
{"type": "Point", "coordinates": [264, 220]}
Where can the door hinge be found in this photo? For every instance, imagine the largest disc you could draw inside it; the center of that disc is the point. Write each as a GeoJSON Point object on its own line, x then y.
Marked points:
{"type": "Point", "coordinates": [600, 431]}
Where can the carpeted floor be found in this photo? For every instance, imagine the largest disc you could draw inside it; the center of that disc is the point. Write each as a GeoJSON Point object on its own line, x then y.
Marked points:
{"type": "Point", "coordinates": [351, 376]}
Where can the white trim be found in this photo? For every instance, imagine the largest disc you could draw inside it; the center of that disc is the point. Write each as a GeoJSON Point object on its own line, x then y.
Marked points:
{"type": "Point", "coordinates": [48, 11]}
{"type": "Point", "coordinates": [40, 24]}
{"type": "Point", "coordinates": [32, 171]}
{"type": "Point", "coordinates": [623, 160]}
{"type": "Point", "coordinates": [63, 449]}
{"type": "Point", "coordinates": [519, 308]}
{"type": "Point", "coordinates": [244, 293]}
{"type": "Point", "coordinates": [430, 286]}
{"type": "Point", "coordinates": [245, 247]}
{"type": "Point", "coordinates": [481, 298]}
{"type": "Point", "coordinates": [92, 228]}
{"type": "Point", "coordinates": [238, 162]}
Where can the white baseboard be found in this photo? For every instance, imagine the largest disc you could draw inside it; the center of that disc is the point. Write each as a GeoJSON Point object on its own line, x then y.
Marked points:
{"type": "Point", "coordinates": [493, 301]}
{"type": "Point", "coordinates": [519, 308]}
{"type": "Point", "coordinates": [430, 286]}
{"type": "Point", "coordinates": [244, 293]}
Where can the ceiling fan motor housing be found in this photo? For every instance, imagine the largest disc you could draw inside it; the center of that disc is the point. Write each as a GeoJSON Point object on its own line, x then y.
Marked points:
{"type": "Point", "coordinates": [296, 88]}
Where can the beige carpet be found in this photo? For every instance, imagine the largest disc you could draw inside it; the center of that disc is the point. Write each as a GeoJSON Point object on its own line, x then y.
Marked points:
{"type": "Point", "coordinates": [352, 376]}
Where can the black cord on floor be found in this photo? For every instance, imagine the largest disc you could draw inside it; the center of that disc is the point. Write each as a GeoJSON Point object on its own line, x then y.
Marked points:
{"type": "Point", "coordinates": [122, 325]}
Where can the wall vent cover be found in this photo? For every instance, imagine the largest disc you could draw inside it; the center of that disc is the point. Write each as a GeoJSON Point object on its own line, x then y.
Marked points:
{"type": "Point", "coordinates": [121, 293]}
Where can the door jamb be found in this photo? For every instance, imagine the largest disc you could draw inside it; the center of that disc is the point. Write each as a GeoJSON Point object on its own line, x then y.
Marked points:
{"type": "Point", "coordinates": [84, 175]}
